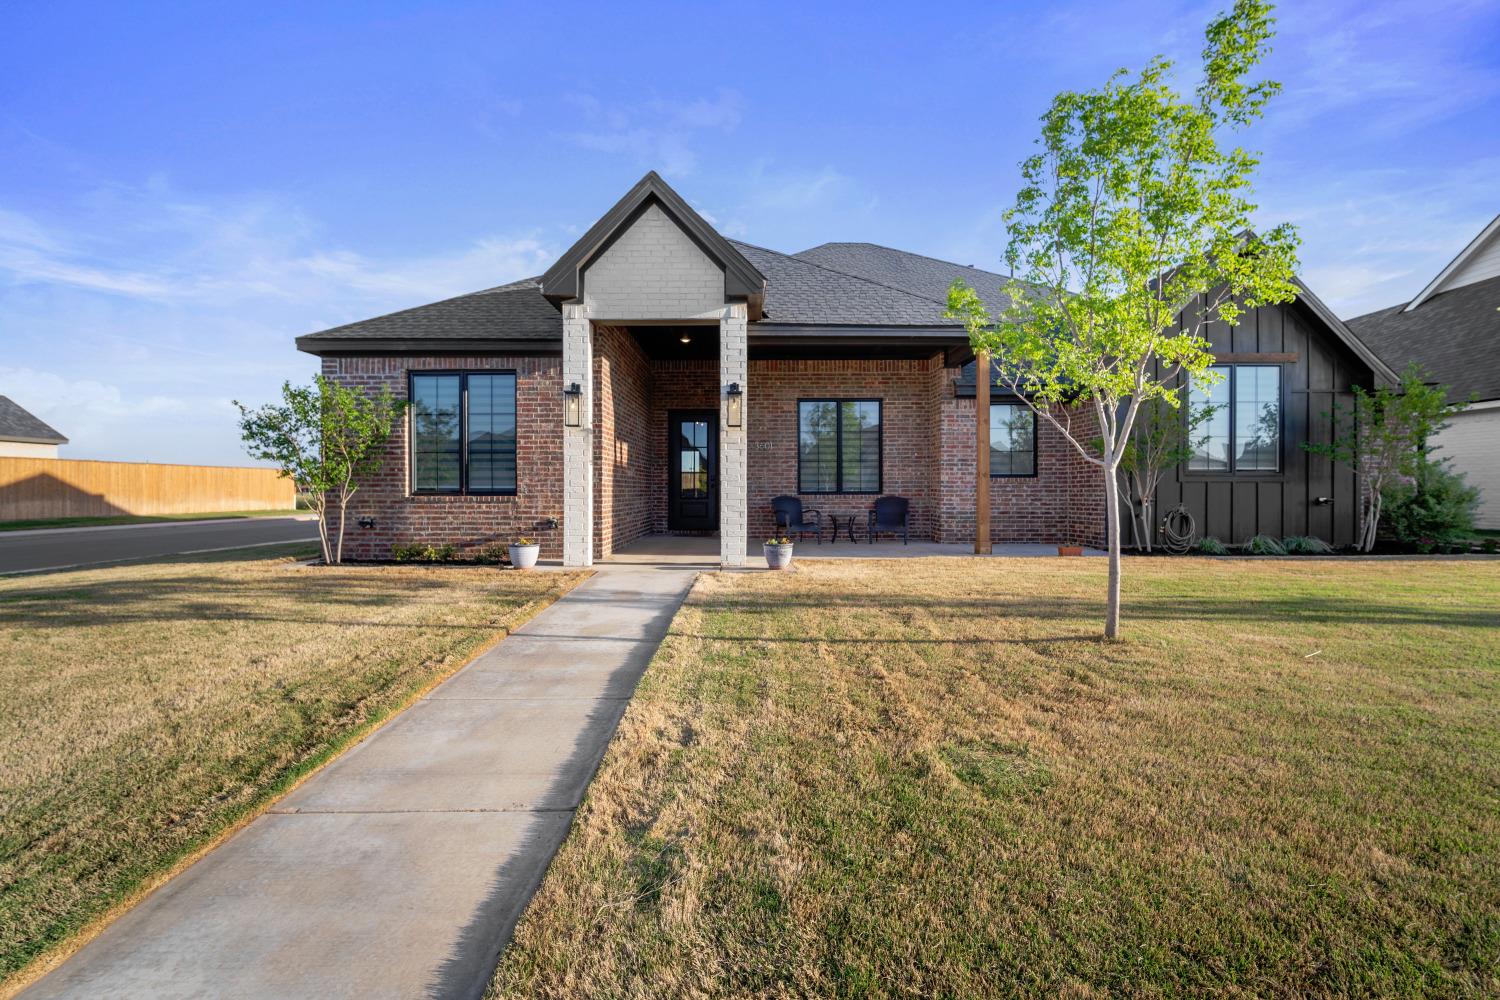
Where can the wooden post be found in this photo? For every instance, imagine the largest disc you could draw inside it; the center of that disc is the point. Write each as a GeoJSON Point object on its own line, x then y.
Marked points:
{"type": "Point", "coordinates": [982, 453]}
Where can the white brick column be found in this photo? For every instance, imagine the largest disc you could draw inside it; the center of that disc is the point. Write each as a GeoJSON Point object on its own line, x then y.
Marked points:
{"type": "Point", "coordinates": [578, 442]}
{"type": "Point", "coordinates": [733, 449]}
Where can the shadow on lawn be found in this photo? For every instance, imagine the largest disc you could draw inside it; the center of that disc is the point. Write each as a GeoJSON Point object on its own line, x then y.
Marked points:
{"type": "Point", "coordinates": [1299, 609]}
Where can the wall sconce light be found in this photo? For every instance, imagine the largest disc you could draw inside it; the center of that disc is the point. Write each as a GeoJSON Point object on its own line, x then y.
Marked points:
{"type": "Point", "coordinates": [367, 522]}
{"type": "Point", "coordinates": [734, 411]}
{"type": "Point", "coordinates": [573, 406]}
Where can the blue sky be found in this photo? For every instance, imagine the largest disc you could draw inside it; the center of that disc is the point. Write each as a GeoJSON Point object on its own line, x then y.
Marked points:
{"type": "Point", "coordinates": [183, 190]}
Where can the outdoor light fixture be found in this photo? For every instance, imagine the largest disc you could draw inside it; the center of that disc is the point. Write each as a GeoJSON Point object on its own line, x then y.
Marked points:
{"type": "Point", "coordinates": [685, 338]}
{"type": "Point", "coordinates": [573, 414]}
{"type": "Point", "coordinates": [734, 412]}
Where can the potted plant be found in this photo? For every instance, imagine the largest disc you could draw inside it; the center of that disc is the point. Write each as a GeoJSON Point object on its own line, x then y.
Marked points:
{"type": "Point", "coordinates": [523, 552]}
{"type": "Point", "coordinates": [779, 553]}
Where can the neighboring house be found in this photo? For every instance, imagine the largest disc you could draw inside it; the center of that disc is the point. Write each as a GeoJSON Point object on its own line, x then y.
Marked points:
{"type": "Point", "coordinates": [1452, 329]}
{"type": "Point", "coordinates": [22, 435]}
{"type": "Point", "coordinates": [661, 378]}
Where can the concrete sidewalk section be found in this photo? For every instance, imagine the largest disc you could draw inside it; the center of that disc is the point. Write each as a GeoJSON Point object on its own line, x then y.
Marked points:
{"type": "Point", "coordinates": [401, 869]}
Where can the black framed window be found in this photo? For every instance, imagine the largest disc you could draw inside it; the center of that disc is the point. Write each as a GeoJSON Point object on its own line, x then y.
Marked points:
{"type": "Point", "coordinates": [463, 432]}
{"type": "Point", "coordinates": [838, 446]}
{"type": "Point", "coordinates": [1012, 440]}
{"type": "Point", "coordinates": [1242, 430]}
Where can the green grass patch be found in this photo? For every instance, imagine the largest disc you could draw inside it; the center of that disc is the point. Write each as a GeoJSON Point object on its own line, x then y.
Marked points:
{"type": "Point", "coordinates": [148, 707]}
{"type": "Point", "coordinates": [930, 778]}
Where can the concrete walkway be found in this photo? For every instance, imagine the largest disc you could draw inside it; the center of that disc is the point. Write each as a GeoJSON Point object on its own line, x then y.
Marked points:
{"type": "Point", "coordinates": [401, 869]}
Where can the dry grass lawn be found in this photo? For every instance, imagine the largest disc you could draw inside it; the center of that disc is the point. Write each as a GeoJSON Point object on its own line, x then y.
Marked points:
{"type": "Point", "coordinates": [145, 708]}
{"type": "Point", "coordinates": [929, 779]}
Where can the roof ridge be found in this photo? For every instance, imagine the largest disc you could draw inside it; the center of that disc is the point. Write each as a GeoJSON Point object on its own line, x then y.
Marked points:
{"type": "Point", "coordinates": [910, 253]}
{"type": "Point", "coordinates": [847, 274]}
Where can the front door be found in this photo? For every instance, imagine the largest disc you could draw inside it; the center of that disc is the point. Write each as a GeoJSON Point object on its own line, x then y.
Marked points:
{"type": "Point", "coordinates": [693, 470]}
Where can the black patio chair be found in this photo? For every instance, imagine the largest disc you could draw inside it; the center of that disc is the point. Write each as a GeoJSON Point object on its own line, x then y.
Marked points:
{"type": "Point", "coordinates": [892, 514]}
{"type": "Point", "coordinates": [791, 517]}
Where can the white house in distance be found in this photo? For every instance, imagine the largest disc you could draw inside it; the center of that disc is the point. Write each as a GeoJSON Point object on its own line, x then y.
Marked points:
{"type": "Point", "coordinates": [1452, 329]}
{"type": "Point", "coordinates": [23, 435]}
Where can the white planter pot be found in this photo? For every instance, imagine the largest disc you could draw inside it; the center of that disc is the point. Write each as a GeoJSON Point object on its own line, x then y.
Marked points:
{"type": "Point", "coordinates": [524, 556]}
{"type": "Point", "coordinates": [779, 556]}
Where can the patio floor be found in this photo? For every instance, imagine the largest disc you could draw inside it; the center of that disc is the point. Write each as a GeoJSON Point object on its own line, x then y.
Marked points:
{"type": "Point", "coordinates": [704, 551]}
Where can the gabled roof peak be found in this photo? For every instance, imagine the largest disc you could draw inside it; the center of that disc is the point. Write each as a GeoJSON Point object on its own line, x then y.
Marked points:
{"type": "Point", "coordinates": [1459, 271]}
{"type": "Point", "coordinates": [741, 279]}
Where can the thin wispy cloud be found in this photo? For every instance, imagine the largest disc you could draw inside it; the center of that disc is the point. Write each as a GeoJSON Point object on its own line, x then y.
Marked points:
{"type": "Point", "coordinates": [656, 133]}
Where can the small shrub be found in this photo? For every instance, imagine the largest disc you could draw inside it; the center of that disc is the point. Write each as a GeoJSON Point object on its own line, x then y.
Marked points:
{"type": "Point", "coordinates": [1211, 546]}
{"type": "Point", "coordinates": [1489, 546]}
{"type": "Point", "coordinates": [446, 552]}
{"type": "Point", "coordinates": [1305, 545]}
{"type": "Point", "coordinates": [1433, 512]}
{"type": "Point", "coordinates": [493, 554]}
{"type": "Point", "coordinates": [406, 552]}
{"type": "Point", "coordinates": [1264, 545]}
{"type": "Point", "coordinates": [417, 552]}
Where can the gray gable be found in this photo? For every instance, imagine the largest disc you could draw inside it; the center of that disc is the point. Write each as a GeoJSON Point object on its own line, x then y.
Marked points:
{"type": "Point", "coordinates": [19, 424]}
{"type": "Point", "coordinates": [514, 315]}
{"type": "Point", "coordinates": [1455, 335]}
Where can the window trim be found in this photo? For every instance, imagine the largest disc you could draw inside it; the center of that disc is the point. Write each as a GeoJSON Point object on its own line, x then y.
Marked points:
{"type": "Point", "coordinates": [463, 433]}
{"type": "Point", "coordinates": [1187, 472]}
{"type": "Point", "coordinates": [838, 426]}
{"type": "Point", "coordinates": [1035, 425]}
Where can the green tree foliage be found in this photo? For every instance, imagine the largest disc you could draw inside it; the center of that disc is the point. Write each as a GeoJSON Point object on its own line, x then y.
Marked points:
{"type": "Point", "coordinates": [323, 437]}
{"type": "Point", "coordinates": [1384, 438]}
{"type": "Point", "coordinates": [1433, 511]}
{"type": "Point", "coordinates": [1132, 231]}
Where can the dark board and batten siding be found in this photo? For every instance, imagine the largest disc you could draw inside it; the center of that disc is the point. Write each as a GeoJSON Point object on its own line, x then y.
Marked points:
{"type": "Point", "coordinates": [1235, 507]}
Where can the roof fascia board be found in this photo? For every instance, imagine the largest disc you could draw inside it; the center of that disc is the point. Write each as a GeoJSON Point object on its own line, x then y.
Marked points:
{"type": "Point", "coordinates": [534, 347]}
{"type": "Point", "coordinates": [1341, 330]}
{"type": "Point", "coordinates": [1436, 284]}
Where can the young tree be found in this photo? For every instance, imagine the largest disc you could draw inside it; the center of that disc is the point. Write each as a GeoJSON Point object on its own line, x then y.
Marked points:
{"type": "Point", "coordinates": [323, 437]}
{"type": "Point", "coordinates": [1383, 438]}
{"type": "Point", "coordinates": [1164, 438]}
{"type": "Point", "coordinates": [1132, 230]}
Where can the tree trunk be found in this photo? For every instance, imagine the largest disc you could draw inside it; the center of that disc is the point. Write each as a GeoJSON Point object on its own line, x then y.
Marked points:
{"type": "Point", "coordinates": [339, 550]}
{"type": "Point", "coordinates": [1112, 522]}
{"type": "Point", "coordinates": [322, 511]}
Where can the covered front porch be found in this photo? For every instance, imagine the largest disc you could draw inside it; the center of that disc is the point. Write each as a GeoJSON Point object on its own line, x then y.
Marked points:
{"type": "Point", "coordinates": [685, 550]}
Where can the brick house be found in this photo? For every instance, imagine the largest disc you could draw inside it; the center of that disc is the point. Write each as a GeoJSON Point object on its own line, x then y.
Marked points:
{"type": "Point", "coordinates": [660, 378]}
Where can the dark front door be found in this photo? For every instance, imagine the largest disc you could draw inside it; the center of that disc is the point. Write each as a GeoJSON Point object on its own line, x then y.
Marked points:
{"type": "Point", "coordinates": [693, 470]}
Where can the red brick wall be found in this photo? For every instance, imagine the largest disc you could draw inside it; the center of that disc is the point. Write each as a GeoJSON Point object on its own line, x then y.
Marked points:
{"type": "Point", "coordinates": [906, 416]}
{"type": "Point", "coordinates": [623, 441]}
{"type": "Point", "coordinates": [467, 521]}
{"type": "Point", "coordinates": [1062, 504]}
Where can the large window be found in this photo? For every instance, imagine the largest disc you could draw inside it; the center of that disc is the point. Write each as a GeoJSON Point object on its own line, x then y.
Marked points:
{"type": "Point", "coordinates": [1012, 440]}
{"type": "Point", "coordinates": [463, 432]}
{"type": "Point", "coordinates": [838, 446]}
{"type": "Point", "coordinates": [1240, 429]}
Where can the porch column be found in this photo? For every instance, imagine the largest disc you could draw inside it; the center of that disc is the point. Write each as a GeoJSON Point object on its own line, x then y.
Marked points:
{"type": "Point", "coordinates": [733, 450]}
{"type": "Point", "coordinates": [578, 442]}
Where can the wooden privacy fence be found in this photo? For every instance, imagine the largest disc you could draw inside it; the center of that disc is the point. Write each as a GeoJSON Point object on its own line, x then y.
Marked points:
{"type": "Point", "coordinates": [32, 488]}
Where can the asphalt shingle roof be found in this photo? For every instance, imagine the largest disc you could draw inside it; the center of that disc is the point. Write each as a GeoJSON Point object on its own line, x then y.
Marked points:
{"type": "Point", "coordinates": [1454, 335]}
{"type": "Point", "coordinates": [837, 284]}
{"type": "Point", "coordinates": [805, 292]}
{"type": "Point", "coordinates": [18, 424]}
{"type": "Point", "coordinates": [911, 272]}
{"type": "Point", "coordinates": [515, 311]}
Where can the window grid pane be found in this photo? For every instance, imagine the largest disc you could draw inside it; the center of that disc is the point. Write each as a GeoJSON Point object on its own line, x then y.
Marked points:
{"type": "Point", "coordinates": [492, 433]}
{"type": "Point", "coordinates": [1257, 418]}
{"type": "Point", "coordinates": [1211, 444]}
{"type": "Point", "coordinates": [436, 449]}
{"type": "Point", "coordinates": [1012, 438]}
{"type": "Point", "coordinates": [817, 437]}
{"type": "Point", "coordinates": [861, 446]}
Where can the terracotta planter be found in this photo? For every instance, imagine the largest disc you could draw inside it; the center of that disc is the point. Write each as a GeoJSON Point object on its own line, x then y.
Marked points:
{"type": "Point", "coordinates": [779, 556]}
{"type": "Point", "coordinates": [524, 556]}
{"type": "Point", "coordinates": [1070, 550]}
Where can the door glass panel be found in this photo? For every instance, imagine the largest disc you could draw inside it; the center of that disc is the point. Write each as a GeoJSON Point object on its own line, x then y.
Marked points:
{"type": "Point", "coordinates": [693, 458]}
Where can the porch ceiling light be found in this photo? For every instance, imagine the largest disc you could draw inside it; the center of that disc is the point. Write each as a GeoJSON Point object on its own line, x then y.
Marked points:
{"type": "Point", "coordinates": [686, 338]}
{"type": "Point", "coordinates": [573, 408]}
{"type": "Point", "coordinates": [734, 412]}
